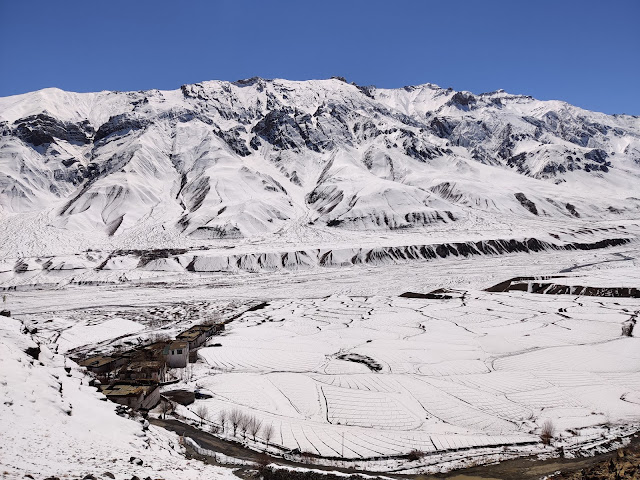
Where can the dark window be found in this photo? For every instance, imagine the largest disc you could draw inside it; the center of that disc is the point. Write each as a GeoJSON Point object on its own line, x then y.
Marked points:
{"type": "Point", "coordinates": [180, 352]}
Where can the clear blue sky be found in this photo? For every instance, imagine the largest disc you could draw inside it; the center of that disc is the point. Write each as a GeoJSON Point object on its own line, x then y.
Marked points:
{"type": "Point", "coordinates": [584, 52]}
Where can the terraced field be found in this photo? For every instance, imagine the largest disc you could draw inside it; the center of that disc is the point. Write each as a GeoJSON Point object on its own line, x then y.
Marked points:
{"type": "Point", "coordinates": [476, 370]}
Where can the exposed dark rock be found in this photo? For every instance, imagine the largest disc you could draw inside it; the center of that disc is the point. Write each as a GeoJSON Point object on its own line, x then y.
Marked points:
{"type": "Point", "coordinates": [325, 199]}
{"type": "Point", "coordinates": [442, 127]}
{"type": "Point", "coordinates": [438, 294]}
{"type": "Point", "coordinates": [526, 203]}
{"type": "Point", "coordinates": [269, 473]}
{"type": "Point", "coordinates": [508, 143]}
{"type": "Point", "coordinates": [518, 162]}
{"type": "Point", "coordinates": [463, 99]}
{"type": "Point", "coordinates": [255, 143]}
{"type": "Point", "coordinates": [20, 266]}
{"type": "Point", "coordinates": [416, 148]}
{"type": "Point", "coordinates": [249, 82]}
{"type": "Point", "coordinates": [33, 352]}
{"type": "Point", "coordinates": [572, 210]}
{"type": "Point", "coordinates": [194, 193]}
{"type": "Point", "coordinates": [365, 360]}
{"type": "Point", "coordinates": [234, 139]}
{"type": "Point", "coordinates": [366, 130]}
{"type": "Point", "coordinates": [597, 155]}
{"type": "Point", "coordinates": [42, 129]}
{"type": "Point", "coordinates": [215, 232]}
{"type": "Point", "coordinates": [121, 124]}
{"type": "Point", "coordinates": [280, 129]}
{"type": "Point", "coordinates": [147, 256]}
{"type": "Point", "coordinates": [367, 90]}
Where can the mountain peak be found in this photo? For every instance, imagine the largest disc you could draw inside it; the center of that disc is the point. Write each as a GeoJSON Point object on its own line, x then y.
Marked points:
{"type": "Point", "coordinates": [219, 160]}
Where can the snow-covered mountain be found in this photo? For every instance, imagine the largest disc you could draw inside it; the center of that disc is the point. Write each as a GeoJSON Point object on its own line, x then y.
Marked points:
{"type": "Point", "coordinates": [256, 159]}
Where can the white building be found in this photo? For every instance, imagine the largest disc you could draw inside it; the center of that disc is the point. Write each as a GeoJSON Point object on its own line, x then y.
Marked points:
{"type": "Point", "coordinates": [177, 354]}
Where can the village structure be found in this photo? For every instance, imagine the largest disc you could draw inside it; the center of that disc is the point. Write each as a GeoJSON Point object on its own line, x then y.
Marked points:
{"type": "Point", "coordinates": [133, 377]}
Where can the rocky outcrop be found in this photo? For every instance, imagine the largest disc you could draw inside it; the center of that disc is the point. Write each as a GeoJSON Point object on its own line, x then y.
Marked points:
{"type": "Point", "coordinates": [625, 464]}
{"type": "Point", "coordinates": [526, 203]}
{"type": "Point", "coordinates": [43, 129]}
{"type": "Point", "coordinates": [119, 124]}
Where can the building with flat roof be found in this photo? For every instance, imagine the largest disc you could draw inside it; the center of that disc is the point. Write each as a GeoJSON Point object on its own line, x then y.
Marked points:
{"type": "Point", "coordinates": [195, 336]}
{"type": "Point", "coordinates": [153, 370]}
{"type": "Point", "coordinates": [177, 354]}
{"type": "Point", "coordinates": [132, 395]}
{"type": "Point", "coordinates": [100, 364]}
{"type": "Point", "coordinates": [198, 334]}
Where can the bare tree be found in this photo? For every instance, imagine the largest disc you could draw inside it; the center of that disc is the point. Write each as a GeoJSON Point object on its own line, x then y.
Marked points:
{"type": "Point", "coordinates": [254, 427]}
{"type": "Point", "coordinates": [213, 318]}
{"type": "Point", "coordinates": [159, 337]}
{"type": "Point", "coordinates": [267, 433]}
{"type": "Point", "coordinates": [163, 369]}
{"type": "Point", "coordinates": [235, 417]}
{"type": "Point", "coordinates": [222, 418]}
{"type": "Point", "coordinates": [547, 432]}
{"type": "Point", "coordinates": [415, 454]}
{"type": "Point", "coordinates": [185, 374]}
{"type": "Point", "coordinates": [245, 422]}
{"type": "Point", "coordinates": [203, 412]}
{"type": "Point", "coordinates": [167, 407]}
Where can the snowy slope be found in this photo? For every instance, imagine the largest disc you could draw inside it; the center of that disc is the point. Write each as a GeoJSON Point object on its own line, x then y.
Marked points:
{"type": "Point", "coordinates": [54, 424]}
{"type": "Point", "coordinates": [256, 160]}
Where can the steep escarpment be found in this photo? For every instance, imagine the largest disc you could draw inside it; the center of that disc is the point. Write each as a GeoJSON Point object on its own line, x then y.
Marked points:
{"type": "Point", "coordinates": [131, 264]}
{"type": "Point", "coordinates": [345, 257]}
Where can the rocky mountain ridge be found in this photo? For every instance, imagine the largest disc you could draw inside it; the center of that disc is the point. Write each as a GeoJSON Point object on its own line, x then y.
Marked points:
{"type": "Point", "coordinates": [257, 158]}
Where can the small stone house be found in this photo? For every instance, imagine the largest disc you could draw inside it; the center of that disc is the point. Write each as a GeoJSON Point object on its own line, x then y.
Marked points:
{"type": "Point", "coordinates": [216, 328]}
{"type": "Point", "coordinates": [101, 364]}
{"type": "Point", "coordinates": [150, 370]}
{"type": "Point", "coordinates": [131, 395]}
{"type": "Point", "coordinates": [198, 334]}
{"type": "Point", "coordinates": [195, 336]}
{"type": "Point", "coordinates": [155, 351]}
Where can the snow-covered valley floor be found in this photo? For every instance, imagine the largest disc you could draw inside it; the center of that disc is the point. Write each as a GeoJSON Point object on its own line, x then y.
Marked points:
{"type": "Point", "coordinates": [483, 369]}
{"type": "Point", "coordinates": [338, 363]}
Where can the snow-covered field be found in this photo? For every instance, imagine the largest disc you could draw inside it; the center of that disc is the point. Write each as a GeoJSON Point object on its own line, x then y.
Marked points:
{"type": "Point", "coordinates": [481, 369]}
{"type": "Point", "coordinates": [474, 376]}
